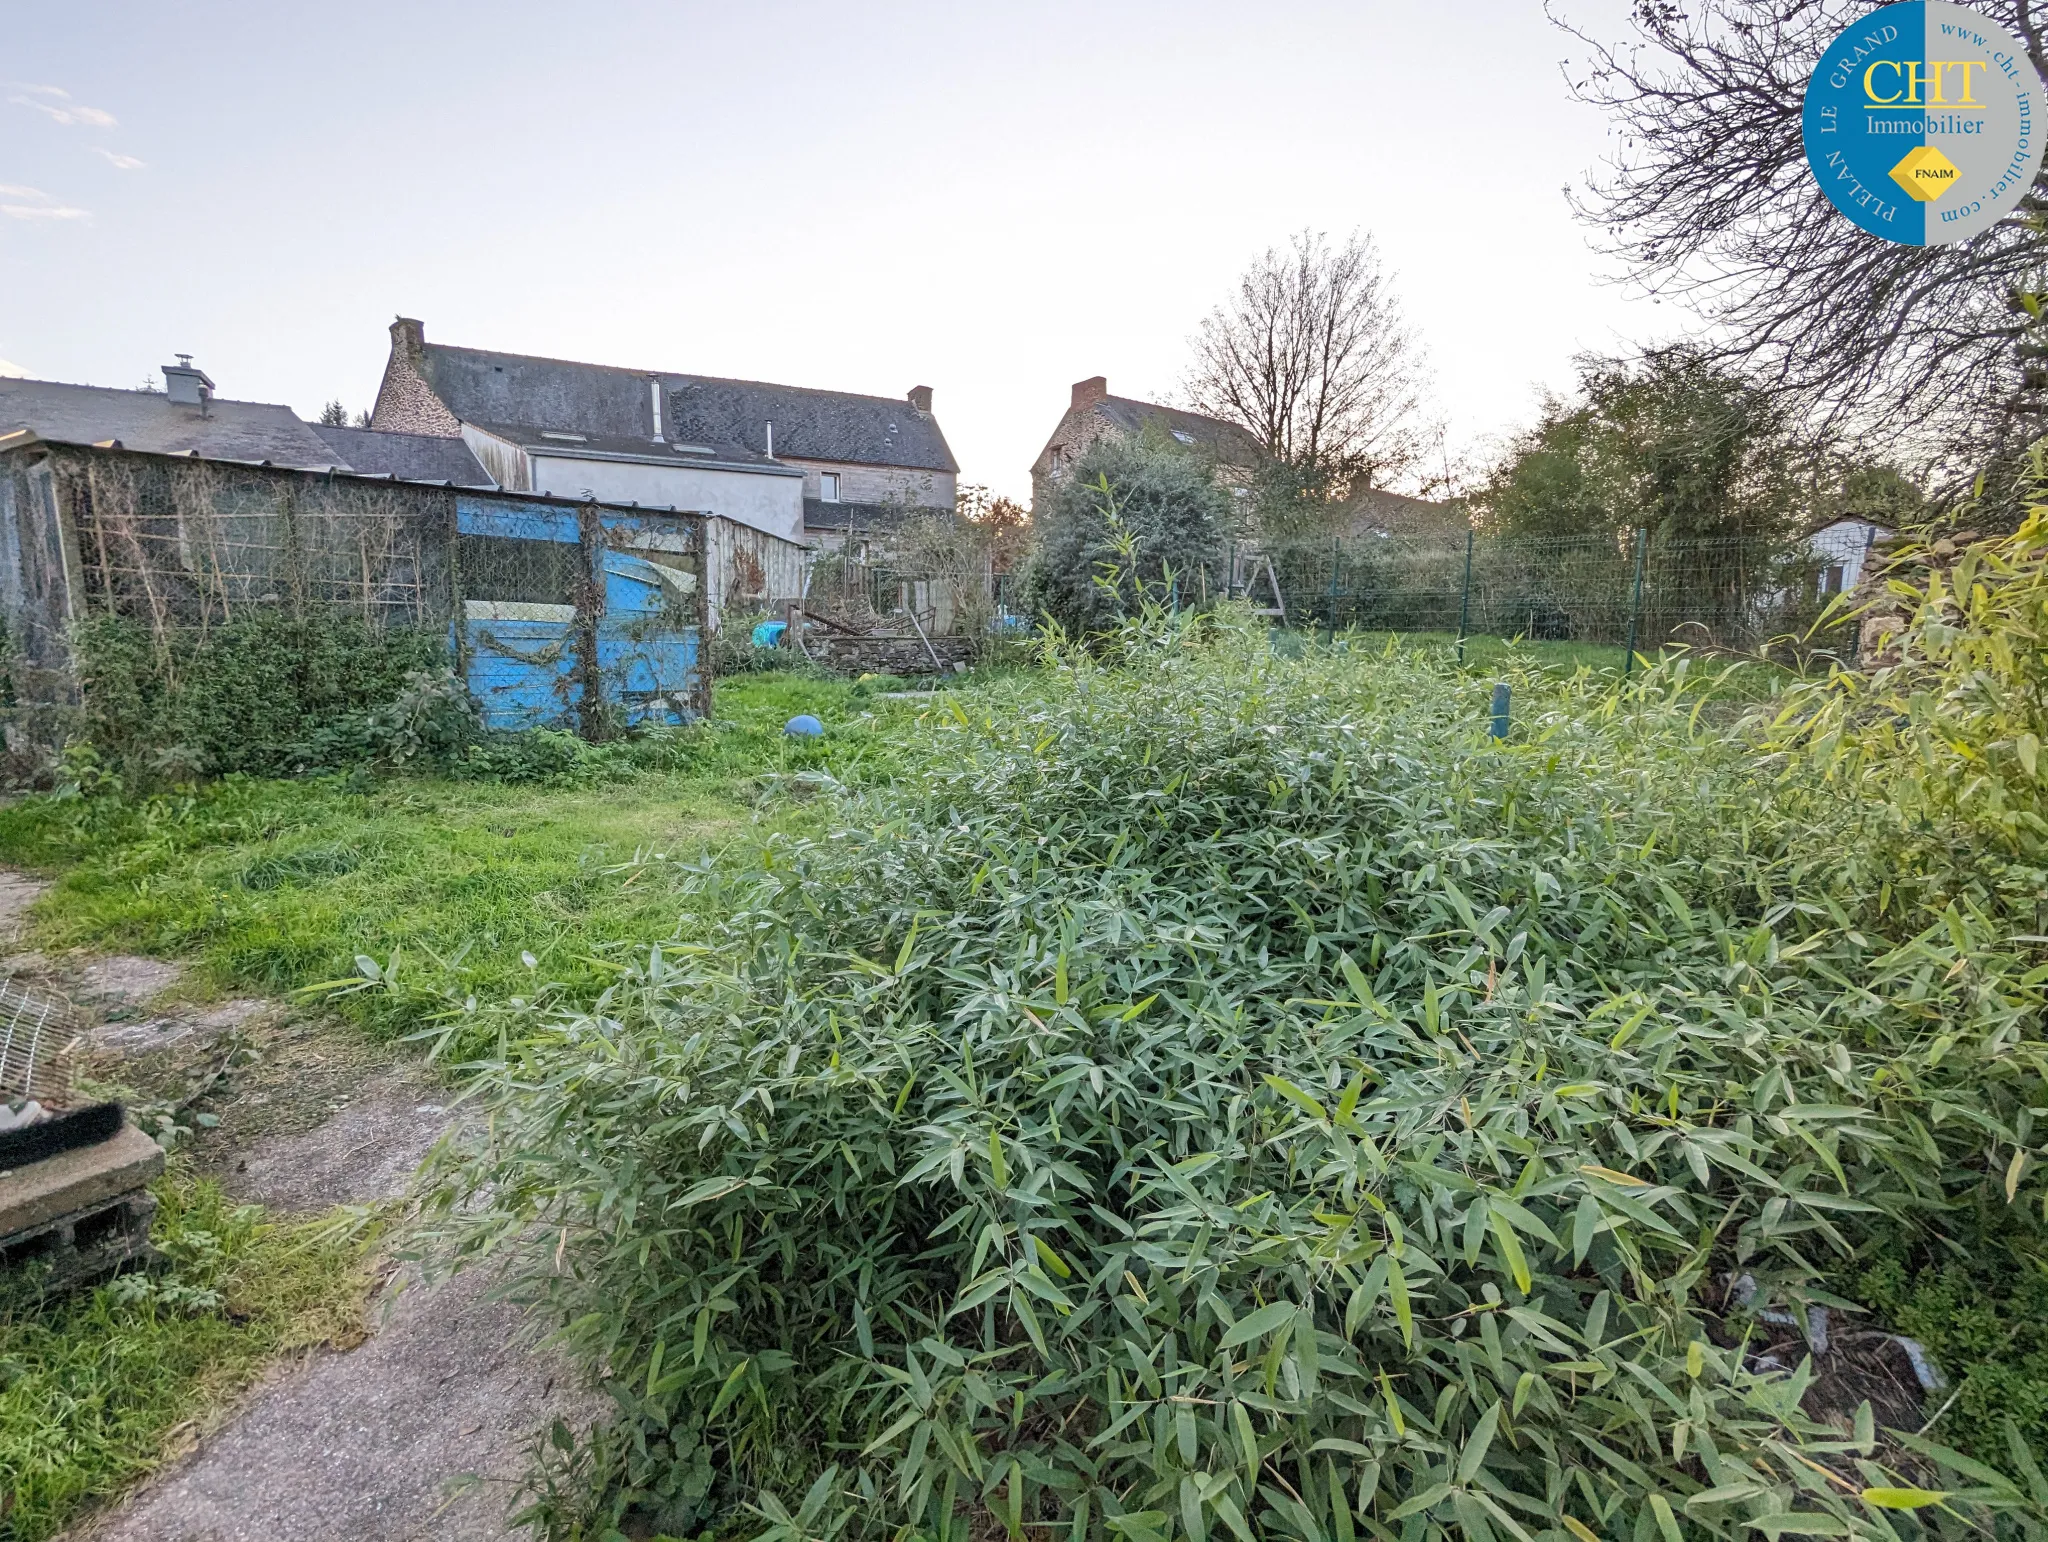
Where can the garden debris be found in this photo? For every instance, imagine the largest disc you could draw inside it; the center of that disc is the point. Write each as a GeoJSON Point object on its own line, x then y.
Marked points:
{"type": "Point", "coordinates": [903, 644]}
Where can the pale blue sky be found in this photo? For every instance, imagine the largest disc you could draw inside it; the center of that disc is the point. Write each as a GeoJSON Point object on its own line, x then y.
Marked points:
{"type": "Point", "coordinates": [991, 200]}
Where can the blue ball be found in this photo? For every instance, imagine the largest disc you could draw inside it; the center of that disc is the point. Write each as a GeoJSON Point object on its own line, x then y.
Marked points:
{"type": "Point", "coordinates": [804, 725]}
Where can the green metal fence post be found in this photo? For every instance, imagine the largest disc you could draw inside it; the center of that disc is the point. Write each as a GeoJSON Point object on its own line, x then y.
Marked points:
{"type": "Point", "coordinates": [1333, 590]}
{"type": "Point", "coordinates": [1635, 603]}
{"type": "Point", "coordinates": [1465, 596]}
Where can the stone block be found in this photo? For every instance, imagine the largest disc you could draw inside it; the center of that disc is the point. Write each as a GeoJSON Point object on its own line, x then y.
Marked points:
{"type": "Point", "coordinates": [76, 1181]}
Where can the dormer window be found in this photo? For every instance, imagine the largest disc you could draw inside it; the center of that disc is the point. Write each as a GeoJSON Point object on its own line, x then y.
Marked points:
{"type": "Point", "coordinates": [828, 487]}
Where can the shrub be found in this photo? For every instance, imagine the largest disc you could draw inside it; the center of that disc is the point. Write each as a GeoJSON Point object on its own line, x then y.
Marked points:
{"type": "Point", "coordinates": [1237, 1095]}
{"type": "Point", "coordinates": [243, 696]}
{"type": "Point", "coordinates": [1127, 516]}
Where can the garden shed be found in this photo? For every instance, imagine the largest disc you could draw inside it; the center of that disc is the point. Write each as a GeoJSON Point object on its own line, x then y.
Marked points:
{"type": "Point", "coordinates": [130, 571]}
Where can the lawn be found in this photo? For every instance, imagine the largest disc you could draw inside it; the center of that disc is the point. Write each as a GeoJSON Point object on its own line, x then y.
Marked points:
{"type": "Point", "coordinates": [270, 886]}
{"type": "Point", "coordinates": [93, 1387]}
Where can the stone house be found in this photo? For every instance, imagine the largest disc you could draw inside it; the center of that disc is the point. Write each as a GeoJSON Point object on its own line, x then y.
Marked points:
{"type": "Point", "coordinates": [1094, 414]}
{"type": "Point", "coordinates": [801, 464]}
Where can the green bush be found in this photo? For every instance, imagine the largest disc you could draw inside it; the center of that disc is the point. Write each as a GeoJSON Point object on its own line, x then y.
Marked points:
{"type": "Point", "coordinates": [1229, 1094]}
{"type": "Point", "coordinates": [257, 695]}
{"type": "Point", "coordinates": [1128, 515]}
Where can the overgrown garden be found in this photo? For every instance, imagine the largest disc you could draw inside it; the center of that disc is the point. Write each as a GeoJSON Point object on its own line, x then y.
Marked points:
{"type": "Point", "coordinates": [1230, 1094]}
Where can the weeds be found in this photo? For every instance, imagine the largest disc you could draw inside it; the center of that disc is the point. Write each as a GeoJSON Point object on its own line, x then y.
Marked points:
{"type": "Point", "coordinates": [1232, 1094]}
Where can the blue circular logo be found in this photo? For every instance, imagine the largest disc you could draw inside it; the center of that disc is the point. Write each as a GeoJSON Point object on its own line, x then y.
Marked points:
{"type": "Point", "coordinates": [1923, 123]}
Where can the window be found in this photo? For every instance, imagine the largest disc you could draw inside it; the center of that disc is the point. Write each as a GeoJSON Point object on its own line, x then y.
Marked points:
{"type": "Point", "coordinates": [828, 486]}
{"type": "Point", "coordinates": [1053, 458]}
{"type": "Point", "coordinates": [1831, 578]}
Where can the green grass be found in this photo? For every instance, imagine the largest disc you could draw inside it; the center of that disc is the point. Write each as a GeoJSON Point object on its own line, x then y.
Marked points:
{"type": "Point", "coordinates": [92, 1386]}
{"type": "Point", "coordinates": [273, 885]}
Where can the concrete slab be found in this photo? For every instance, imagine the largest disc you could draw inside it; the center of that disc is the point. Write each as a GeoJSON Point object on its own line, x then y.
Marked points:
{"type": "Point", "coordinates": [200, 1024]}
{"type": "Point", "coordinates": [420, 1433]}
{"type": "Point", "coordinates": [369, 1150]}
{"type": "Point", "coordinates": [18, 891]}
{"type": "Point", "coordinates": [124, 981]}
{"type": "Point", "coordinates": [77, 1180]}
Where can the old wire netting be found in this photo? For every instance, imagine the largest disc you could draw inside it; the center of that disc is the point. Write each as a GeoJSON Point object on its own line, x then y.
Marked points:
{"type": "Point", "coordinates": [39, 1033]}
{"type": "Point", "coordinates": [200, 545]}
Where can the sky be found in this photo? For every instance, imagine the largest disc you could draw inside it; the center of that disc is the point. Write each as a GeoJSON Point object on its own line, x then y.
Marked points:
{"type": "Point", "coordinates": [992, 200]}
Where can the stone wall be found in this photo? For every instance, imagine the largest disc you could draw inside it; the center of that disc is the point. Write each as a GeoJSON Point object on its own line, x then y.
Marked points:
{"type": "Point", "coordinates": [405, 402]}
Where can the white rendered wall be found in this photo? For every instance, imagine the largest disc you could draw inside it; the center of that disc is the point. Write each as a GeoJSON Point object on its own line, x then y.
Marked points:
{"type": "Point", "coordinates": [771, 503]}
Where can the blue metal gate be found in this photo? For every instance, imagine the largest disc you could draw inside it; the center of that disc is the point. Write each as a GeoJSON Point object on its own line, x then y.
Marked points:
{"type": "Point", "coordinates": [556, 599]}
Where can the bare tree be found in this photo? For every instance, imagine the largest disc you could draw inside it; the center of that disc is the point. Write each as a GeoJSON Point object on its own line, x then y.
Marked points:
{"type": "Point", "coordinates": [1709, 200]}
{"type": "Point", "coordinates": [1312, 357]}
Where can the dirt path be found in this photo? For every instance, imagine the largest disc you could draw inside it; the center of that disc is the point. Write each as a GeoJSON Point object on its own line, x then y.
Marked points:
{"type": "Point", "coordinates": [423, 1429]}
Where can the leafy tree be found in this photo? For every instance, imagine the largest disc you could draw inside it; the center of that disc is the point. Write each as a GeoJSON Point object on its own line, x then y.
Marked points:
{"type": "Point", "coordinates": [1312, 357]}
{"type": "Point", "coordinates": [1003, 523]}
{"type": "Point", "coordinates": [1129, 514]}
{"type": "Point", "coordinates": [1672, 442]}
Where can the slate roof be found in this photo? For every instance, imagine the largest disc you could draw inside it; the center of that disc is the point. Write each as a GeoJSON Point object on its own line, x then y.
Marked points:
{"type": "Point", "coordinates": [410, 457]}
{"type": "Point", "coordinates": [810, 425]}
{"type": "Point", "coordinates": [1377, 511]}
{"type": "Point", "coordinates": [1227, 440]}
{"type": "Point", "coordinates": [147, 421]}
{"type": "Point", "coordinates": [639, 447]}
{"type": "Point", "coordinates": [489, 388]}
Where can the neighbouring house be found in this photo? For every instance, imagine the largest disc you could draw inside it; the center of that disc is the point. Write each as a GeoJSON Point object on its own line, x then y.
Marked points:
{"type": "Point", "coordinates": [1094, 414]}
{"type": "Point", "coordinates": [819, 467]}
{"type": "Point", "coordinates": [1375, 512]}
{"type": "Point", "coordinates": [1842, 547]}
{"type": "Point", "coordinates": [182, 513]}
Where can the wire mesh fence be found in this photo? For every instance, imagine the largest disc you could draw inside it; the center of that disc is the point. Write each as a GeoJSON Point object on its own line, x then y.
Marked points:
{"type": "Point", "coordinates": [192, 547]}
{"type": "Point", "coordinates": [1724, 594]}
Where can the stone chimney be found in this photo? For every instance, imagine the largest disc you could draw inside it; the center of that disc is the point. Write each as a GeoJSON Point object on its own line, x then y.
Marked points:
{"type": "Point", "coordinates": [921, 398]}
{"type": "Point", "coordinates": [405, 401]}
{"type": "Point", "coordinates": [1090, 391]}
{"type": "Point", "coordinates": [409, 339]}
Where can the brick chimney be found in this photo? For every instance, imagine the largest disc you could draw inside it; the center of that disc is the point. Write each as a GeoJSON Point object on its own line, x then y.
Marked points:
{"type": "Point", "coordinates": [1090, 391]}
{"type": "Point", "coordinates": [921, 398]}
